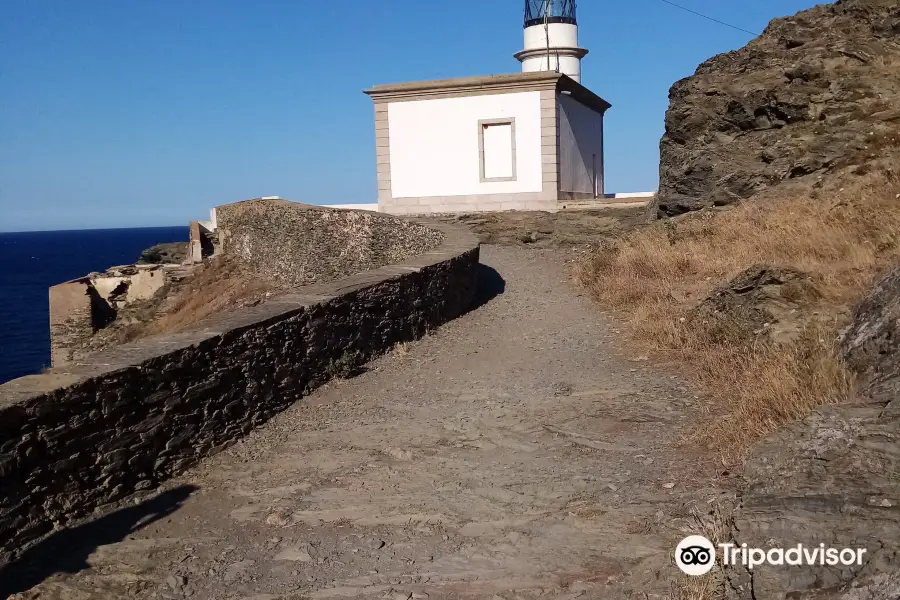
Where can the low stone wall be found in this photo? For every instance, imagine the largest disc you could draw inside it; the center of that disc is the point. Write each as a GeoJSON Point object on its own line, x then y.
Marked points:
{"type": "Point", "coordinates": [283, 240]}
{"type": "Point", "coordinates": [126, 419]}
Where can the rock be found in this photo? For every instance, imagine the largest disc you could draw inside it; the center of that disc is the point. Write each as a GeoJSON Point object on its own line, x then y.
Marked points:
{"type": "Point", "coordinates": [763, 299]}
{"type": "Point", "coordinates": [812, 483]}
{"type": "Point", "coordinates": [561, 388]}
{"type": "Point", "coordinates": [237, 569]}
{"type": "Point", "coordinates": [376, 544]}
{"type": "Point", "coordinates": [280, 519]}
{"type": "Point", "coordinates": [171, 253]}
{"type": "Point", "coordinates": [832, 478]}
{"type": "Point", "coordinates": [294, 554]}
{"type": "Point", "coordinates": [871, 343]}
{"type": "Point", "coordinates": [399, 454]}
{"type": "Point", "coordinates": [879, 587]}
{"type": "Point", "coordinates": [798, 101]}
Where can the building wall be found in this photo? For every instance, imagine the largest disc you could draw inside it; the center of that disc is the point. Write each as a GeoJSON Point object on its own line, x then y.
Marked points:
{"type": "Point", "coordinates": [562, 35]}
{"type": "Point", "coordinates": [370, 206]}
{"type": "Point", "coordinates": [570, 65]}
{"type": "Point", "coordinates": [580, 140]}
{"type": "Point", "coordinates": [434, 157]}
{"type": "Point", "coordinates": [71, 319]}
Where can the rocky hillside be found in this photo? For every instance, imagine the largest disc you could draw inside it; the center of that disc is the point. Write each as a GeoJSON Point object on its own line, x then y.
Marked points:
{"type": "Point", "coordinates": [833, 476]}
{"type": "Point", "coordinates": [806, 111]}
{"type": "Point", "coordinates": [816, 92]}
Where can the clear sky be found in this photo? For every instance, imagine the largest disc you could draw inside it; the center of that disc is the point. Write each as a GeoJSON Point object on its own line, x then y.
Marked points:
{"type": "Point", "coordinates": [128, 113]}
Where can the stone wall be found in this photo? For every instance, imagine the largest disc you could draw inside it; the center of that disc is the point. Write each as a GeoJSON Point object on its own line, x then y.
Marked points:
{"type": "Point", "coordinates": [284, 240]}
{"type": "Point", "coordinates": [72, 318]}
{"type": "Point", "coordinates": [125, 419]}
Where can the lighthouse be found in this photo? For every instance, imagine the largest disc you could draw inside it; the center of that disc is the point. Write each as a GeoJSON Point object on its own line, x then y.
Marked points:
{"type": "Point", "coordinates": [530, 140]}
{"type": "Point", "coordinates": [551, 38]}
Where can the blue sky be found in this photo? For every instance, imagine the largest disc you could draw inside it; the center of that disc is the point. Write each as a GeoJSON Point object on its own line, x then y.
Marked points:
{"type": "Point", "coordinates": [128, 113]}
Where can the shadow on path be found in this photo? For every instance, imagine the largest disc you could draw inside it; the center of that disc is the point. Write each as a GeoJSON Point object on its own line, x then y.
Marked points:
{"type": "Point", "coordinates": [490, 285]}
{"type": "Point", "coordinates": [67, 550]}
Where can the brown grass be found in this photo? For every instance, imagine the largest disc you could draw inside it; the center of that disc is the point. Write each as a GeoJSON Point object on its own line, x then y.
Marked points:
{"type": "Point", "coordinates": [716, 526]}
{"type": "Point", "coordinates": [653, 275]}
{"type": "Point", "coordinates": [216, 286]}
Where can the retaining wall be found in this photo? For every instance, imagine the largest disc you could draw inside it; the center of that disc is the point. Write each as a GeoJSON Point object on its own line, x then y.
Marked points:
{"type": "Point", "coordinates": [283, 240]}
{"type": "Point", "coordinates": [124, 420]}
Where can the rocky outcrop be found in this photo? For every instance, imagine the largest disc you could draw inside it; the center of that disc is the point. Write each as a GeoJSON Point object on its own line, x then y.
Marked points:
{"type": "Point", "coordinates": [762, 300]}
{"type": "Point", "coordinates": [834, 478]}
{"type": "Point", "coordinates": [169, 253]}
{"type": "Point", "coordinates": [871, 344]}
{"type": "Point", "coordinates": [815, 92]}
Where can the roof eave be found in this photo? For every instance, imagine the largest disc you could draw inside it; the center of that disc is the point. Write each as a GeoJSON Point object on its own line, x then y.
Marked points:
{"type": "Point", "coordinates": [582, 94]}
{"type": "Point", "coordinates": [513, 82]}
{"type": "Point", "coordinates": [499, 83]}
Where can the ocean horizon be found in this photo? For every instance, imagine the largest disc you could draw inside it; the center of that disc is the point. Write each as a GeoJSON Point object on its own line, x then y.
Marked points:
{"type": "Point", "coordinates": [33, 261]}
{"type": "Point", "coordinates": [90, 229]}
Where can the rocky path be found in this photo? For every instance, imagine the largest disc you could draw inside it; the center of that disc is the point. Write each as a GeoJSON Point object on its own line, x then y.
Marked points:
{"type": "Point", "coordinates": [516, 453]}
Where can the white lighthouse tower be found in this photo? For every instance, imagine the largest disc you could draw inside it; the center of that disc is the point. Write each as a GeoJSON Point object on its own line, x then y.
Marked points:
{"type": "Point", "coordinates": [516, 141]}
{"type": "Point", "coordinates": [551, 38]}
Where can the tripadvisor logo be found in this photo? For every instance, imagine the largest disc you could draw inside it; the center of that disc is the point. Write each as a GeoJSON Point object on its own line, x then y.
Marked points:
{"type": "Point", "coordinates": [696, 555]}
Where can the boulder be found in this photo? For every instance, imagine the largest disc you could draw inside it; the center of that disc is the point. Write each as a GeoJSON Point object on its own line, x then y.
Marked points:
{"type": "Point", "coordinates": [762, 300]}
{"type": "Point", "coordinates": [871, 343]}
{"type": "Point", "coordinates": [833, 478]}
{"type": "Point", "coordinates": [816, 92]}
{"type": "Point", "coordinates": [170, 253]}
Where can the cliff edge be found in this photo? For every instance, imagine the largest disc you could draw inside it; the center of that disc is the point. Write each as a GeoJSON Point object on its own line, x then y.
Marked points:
{"type": "Point", "coordinates": [816, 92]}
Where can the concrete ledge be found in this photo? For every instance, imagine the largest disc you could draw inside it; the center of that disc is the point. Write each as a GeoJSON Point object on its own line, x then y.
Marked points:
{"type": "Point", "coordinates": [426, 205]}
{"type": "Point", "coordinates": [124, 420]}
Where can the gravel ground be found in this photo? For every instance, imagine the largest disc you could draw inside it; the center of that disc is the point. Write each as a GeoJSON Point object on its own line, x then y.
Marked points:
{"type": "Point", "coordinates": [517, 452]}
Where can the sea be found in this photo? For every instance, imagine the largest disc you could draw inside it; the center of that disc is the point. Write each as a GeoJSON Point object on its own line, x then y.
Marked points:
{"type": "Point", "coordinates": [31, 262]}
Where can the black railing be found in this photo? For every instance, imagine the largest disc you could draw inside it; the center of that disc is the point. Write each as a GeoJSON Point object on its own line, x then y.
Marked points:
{"type": "Point", "coordinates": [549, 11]}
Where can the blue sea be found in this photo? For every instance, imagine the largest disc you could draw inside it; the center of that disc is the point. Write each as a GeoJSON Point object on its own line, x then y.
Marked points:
{"type": "Point", "coordinates": [31, 262]}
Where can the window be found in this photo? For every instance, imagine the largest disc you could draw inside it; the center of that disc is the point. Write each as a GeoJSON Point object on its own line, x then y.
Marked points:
{"type": "Point", "coordinates": [497, 149]}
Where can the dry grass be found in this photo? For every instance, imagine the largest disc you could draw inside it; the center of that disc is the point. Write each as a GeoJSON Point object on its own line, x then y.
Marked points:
{"type": "Point", "coordinates": [655, 274]}
{"type": "Point", "coordinates": [717, 526]}
{"type": "Point", "coordinates": [216, 286]}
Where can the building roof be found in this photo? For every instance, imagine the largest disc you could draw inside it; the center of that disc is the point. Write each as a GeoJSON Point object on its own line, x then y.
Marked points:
{"type": "Point", "coordinates": [488, 84]}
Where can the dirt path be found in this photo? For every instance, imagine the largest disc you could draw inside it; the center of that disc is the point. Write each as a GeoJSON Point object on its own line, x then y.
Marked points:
{"type": "Point", "coordinates": [515, 453]}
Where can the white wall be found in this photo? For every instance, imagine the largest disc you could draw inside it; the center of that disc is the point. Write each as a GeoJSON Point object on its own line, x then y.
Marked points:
{"type": "Point", "coordinates": [563, 35]}
{"type": "Point", "coordinates": [434, 145]}
{"type": "Point", "coordinates": [568, 65]}
{"type": "Point", "coordinates": [580, 137]}
{"type": "Point", "coordinates": [373, 206]}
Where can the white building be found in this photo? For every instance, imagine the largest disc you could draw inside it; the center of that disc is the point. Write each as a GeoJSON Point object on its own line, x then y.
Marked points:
{"type": "Point", "coordinates": [524, 141]}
